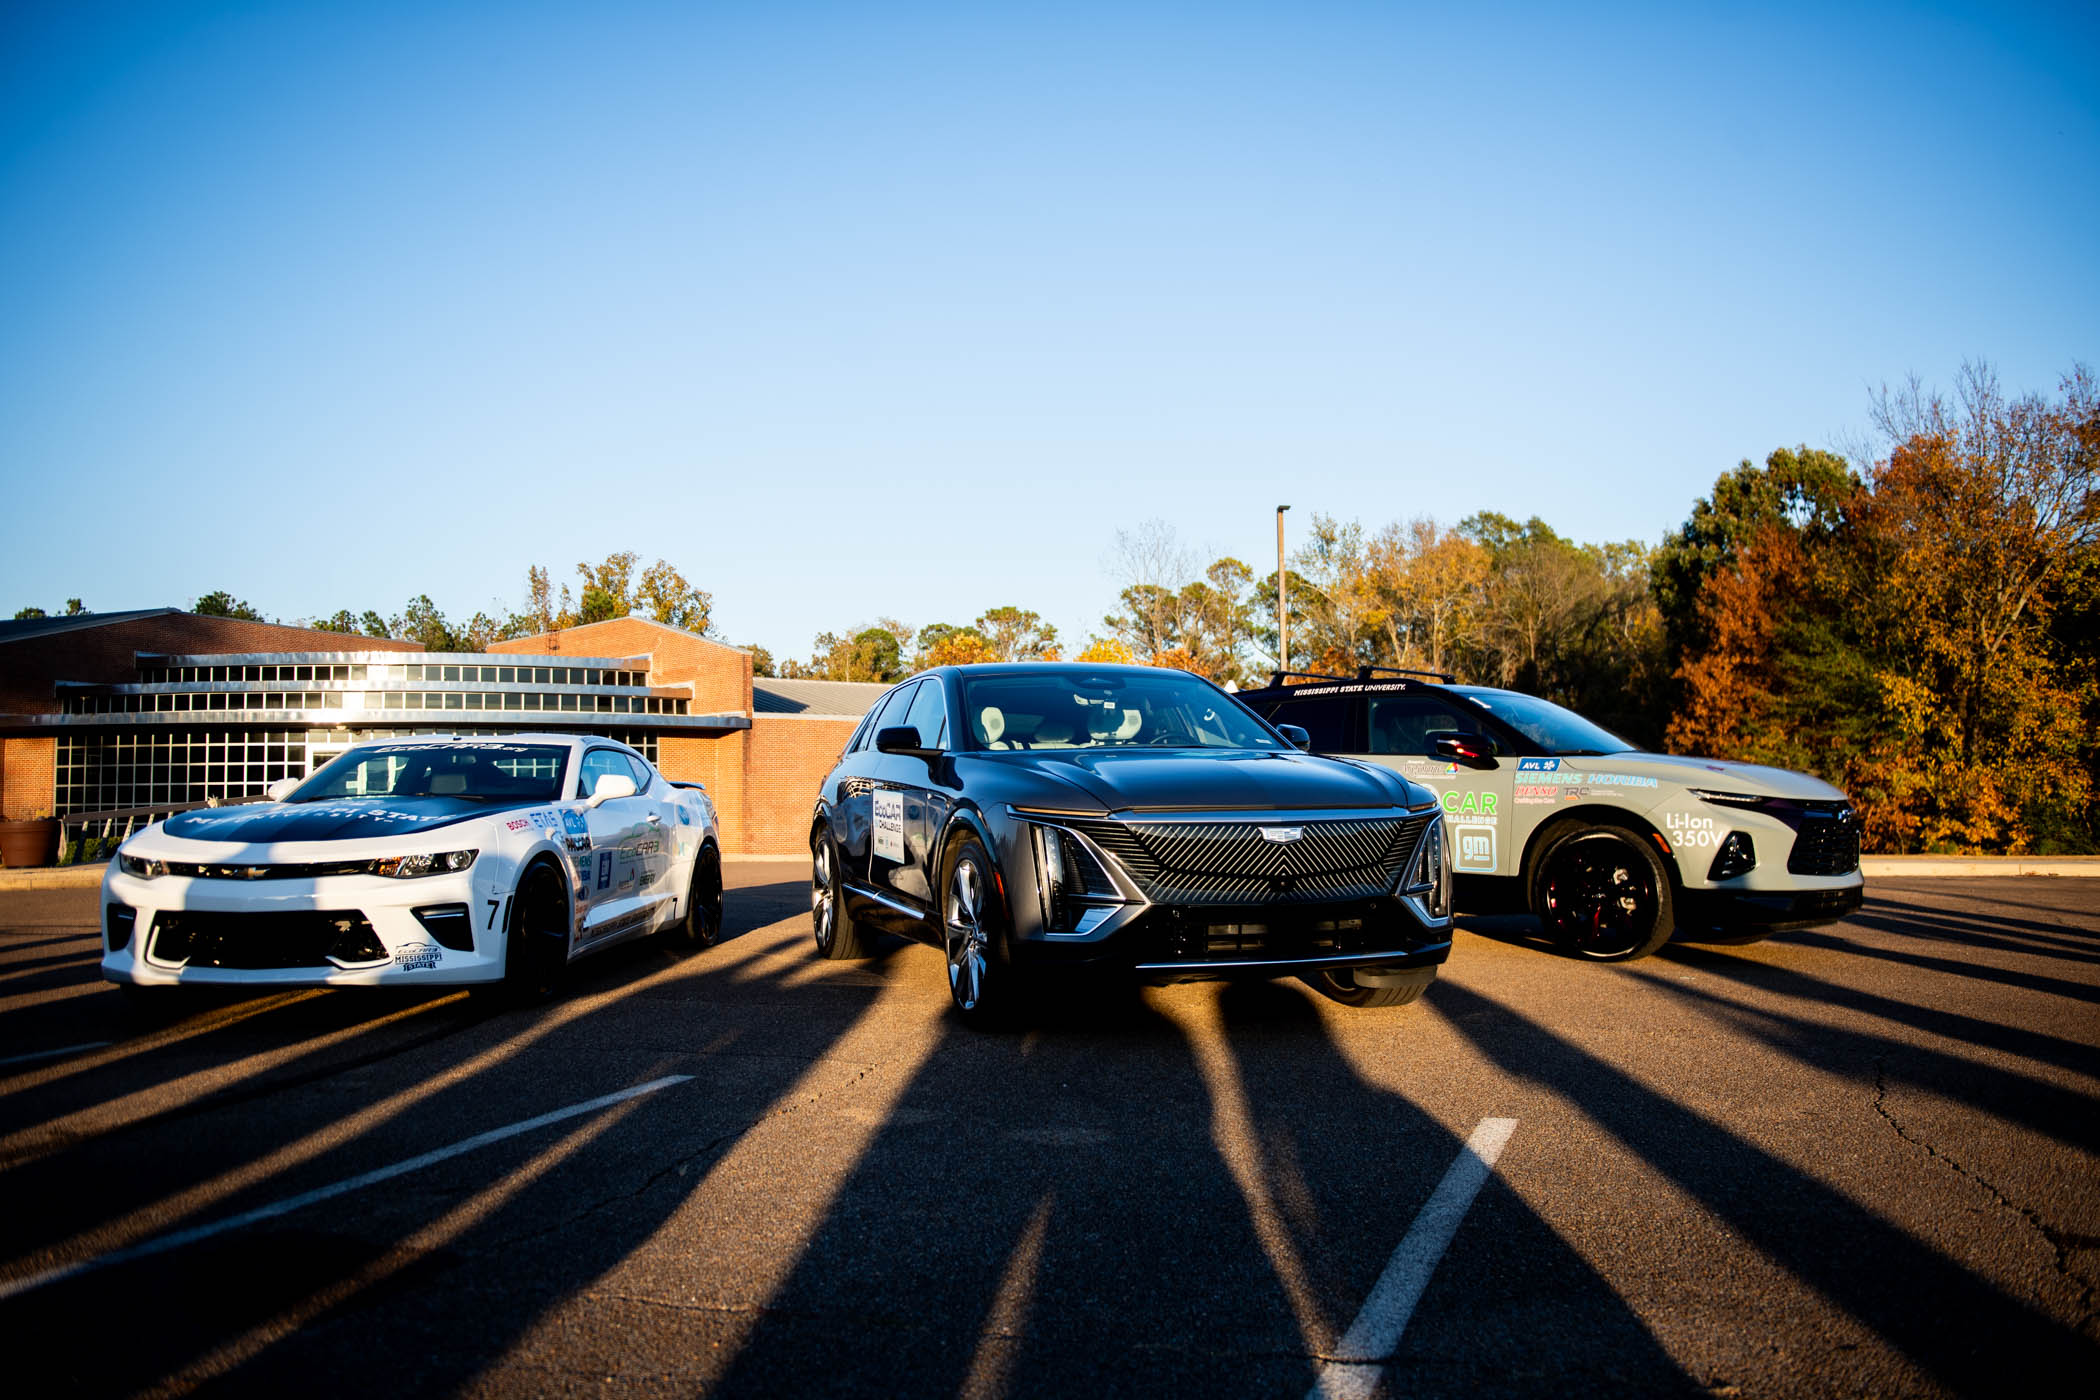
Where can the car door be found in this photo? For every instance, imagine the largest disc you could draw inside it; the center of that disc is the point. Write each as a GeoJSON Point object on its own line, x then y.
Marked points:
{"type": "Point", "coordinates": [888, 847]}
{"type": "Point", "coordinates": [852, 797]}
{"type": "Point", "coordinates": [926, 800]}
{"type": "Point", "coordinates": [623, 895]}
{"type": "Point", "coordinates": [1476, 800]}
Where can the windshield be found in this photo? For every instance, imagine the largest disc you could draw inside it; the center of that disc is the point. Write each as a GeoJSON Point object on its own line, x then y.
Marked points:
{"type": "Point", "coordinates": [487, 772]}
{"type": "Point", "coordinates": [1554, 729]}
{"type": "Point", "coordinates": [1055, 708]}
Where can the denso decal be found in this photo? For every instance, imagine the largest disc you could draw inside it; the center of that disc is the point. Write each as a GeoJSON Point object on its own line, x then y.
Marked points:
{"type": "Point", "coordinates": [1537, 765]}
{"type": "Point", "coordinates": [1469, 803]}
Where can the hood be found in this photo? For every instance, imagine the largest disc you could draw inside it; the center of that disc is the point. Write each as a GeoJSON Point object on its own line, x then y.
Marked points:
{"type": "Point", "coordinates": [1750, 778]}
{"type": "Point", "coordinates": [1222, 779]}
{"type": "Point", "coordinates": [347, 819]}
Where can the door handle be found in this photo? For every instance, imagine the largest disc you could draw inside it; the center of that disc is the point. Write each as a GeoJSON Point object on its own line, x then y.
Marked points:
{"type": "Point", "coordinates": [656, 819]}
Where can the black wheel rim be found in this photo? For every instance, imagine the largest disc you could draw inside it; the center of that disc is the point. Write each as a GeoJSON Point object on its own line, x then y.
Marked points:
{"type": "Point", "coordinates": [543, 933]}
{"type": "Point", "coordinates": [706, 913]}
{"type": "Point", "coordinates": [1599, 898]}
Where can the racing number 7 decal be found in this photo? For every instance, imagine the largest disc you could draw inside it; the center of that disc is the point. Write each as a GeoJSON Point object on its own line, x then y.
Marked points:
{"type": "Point", "coordinates": [494, 905]}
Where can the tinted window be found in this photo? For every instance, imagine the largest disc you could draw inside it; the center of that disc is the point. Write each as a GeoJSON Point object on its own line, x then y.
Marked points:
{"type": "Point", "coordinates": [1054, 707]}
{"type": "Point", "coordinates": [642, 775]}
{"type": "Point", "coordinates": [1324, 717]}
{"type": "Point", "coordinates": [929, 714]}
{"type": "Point", "coordinates": [530, 772]}
{"type": "Point", "coordinates": [893, 710]}
{"type": "Point", "coordinates": [1546, 724]}
{"type": "Point", "coordinates": [1403, 723]}
{"type": "Point", "coordinates": [598, 762]}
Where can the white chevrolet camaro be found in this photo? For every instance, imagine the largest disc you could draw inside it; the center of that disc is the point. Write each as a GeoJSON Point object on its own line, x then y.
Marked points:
{"type": "Point", "coordinates": [433, 860]}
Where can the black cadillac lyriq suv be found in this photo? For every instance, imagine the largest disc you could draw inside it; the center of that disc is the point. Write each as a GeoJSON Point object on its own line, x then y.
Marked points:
{"type": "Point", "coordinates": [1122, 820]}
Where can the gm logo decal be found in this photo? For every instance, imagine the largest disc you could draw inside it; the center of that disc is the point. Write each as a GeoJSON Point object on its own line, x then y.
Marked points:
{"type": "Point", "coordinates": [1282, 833]}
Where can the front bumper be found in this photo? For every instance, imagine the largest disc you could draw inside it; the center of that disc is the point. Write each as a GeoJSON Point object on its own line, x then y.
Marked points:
{"type": "Point", "coordinates": [1208, 943]}
{"type": "Point", "coordinates": [1766, 911]}
{"type": "Point", "coordinates": [335, 931]}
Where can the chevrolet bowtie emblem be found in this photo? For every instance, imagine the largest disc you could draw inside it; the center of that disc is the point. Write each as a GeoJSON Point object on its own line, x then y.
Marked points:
{"type": "Point", "coordinates": [1282, 833]}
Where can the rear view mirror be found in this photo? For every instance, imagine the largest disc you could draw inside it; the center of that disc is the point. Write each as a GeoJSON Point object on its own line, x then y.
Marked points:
{"type": "Point", "coordinates": [1298, 737]}
{"type": "Point", "coordinates": [612, 786]}
{"type": "Point", "coordinates": [281, 789]}
{"type": "Point", "coordinates": [1473, 750]}
{"type": "Point", "coordinates": [904, 739]}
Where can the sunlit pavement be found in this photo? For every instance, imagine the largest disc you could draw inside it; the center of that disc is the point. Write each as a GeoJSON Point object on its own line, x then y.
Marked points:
{"type": "Point", "coordinates": [1854, 1160]}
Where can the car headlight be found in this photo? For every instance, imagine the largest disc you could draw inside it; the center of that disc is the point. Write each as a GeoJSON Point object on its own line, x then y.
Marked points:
{"type": "Point", "coordinates": [417, 866]}
{"type": "Point", "coordinates": [1078, 895]}
{"type": "Point", "coordinates": [1430, 878]}
{"type": "Point", "coordinates": [1729, 799]}
{"type": "Point", "coordinates": [144, 869]}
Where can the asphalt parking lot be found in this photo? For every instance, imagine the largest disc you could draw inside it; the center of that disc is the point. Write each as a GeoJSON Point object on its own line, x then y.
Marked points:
{"type": "Point", "coordinates": [1857, 1160]}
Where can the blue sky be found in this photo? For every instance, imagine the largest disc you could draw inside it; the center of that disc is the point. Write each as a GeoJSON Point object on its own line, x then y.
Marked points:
{"type": "Point", "coordinates": [851, 310]}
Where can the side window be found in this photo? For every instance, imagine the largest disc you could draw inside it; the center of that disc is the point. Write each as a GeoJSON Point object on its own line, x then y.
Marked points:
{"type": "Point", "coordinates": [929, 714]}
{"type": "Point", "coordinates": [893, 711]}
{"type": "Point", "coordinates": [642, 776]}
{"type": "Point", "coordinates": [598, 762]}
{"type": "Point", "coordinates": [1324, 717]}
{"type": "Point", "coordinates": [1402, 724]}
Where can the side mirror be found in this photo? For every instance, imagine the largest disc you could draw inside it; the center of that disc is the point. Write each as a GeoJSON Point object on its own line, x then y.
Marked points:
{"type": "Point", "coordinates": [1473, 750]}
{"type": "Point", "coordinates": [1298, 737]}
{"type": "Point", "coordinates": [281, 789]}
{"type": "Point", "coordinates": [611, 787]}
{"type": "Point", "coordinates": [904, 739]}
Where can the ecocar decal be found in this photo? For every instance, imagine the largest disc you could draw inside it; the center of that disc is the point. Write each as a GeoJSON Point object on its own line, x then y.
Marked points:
{"type": "Point", "coordinates": [889, 825]}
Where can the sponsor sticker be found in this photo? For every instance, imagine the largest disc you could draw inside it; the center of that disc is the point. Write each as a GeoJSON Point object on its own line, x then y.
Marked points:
{"type": "Point", "coordinates": [543, 819]}
{"type": "Point", "coordinates": [1535, 795]}
{"type": "Point", "coordinates": [1476, 848]}
{"type": "Point", "coordinates": [1537, 765]}
{"type": "Point", "coordinates": [1469, 804]}
{"type": "Point", "coordinates": [1687, 831]}
{"type": "Point", "coordinates": [578, 831]}
{"type": "Point", "coordinates": [517, 824]}
{"type": "Point", "coordinates": [412, 957]}
{"type": "Point", "coordinates": [889, 825]}
{"type": "Point", "coordinates": [685, 818]}
{"type": "Point", "coordinates": [604, 869]}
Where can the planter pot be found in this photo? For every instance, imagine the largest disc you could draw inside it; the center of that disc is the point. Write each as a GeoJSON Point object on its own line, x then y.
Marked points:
{"type": "Point", "coordinates": [28, 843]}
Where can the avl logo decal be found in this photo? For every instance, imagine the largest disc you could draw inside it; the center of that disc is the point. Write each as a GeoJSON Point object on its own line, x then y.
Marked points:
{"type": "Point", "coordinates": [1538, 765]}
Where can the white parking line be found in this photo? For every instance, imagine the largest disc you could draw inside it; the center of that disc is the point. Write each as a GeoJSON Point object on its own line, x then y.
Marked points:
{"type": "Point", "coordinates": [1358, 1363]}
{"type": "Point", "coordinates": [162, 1244]}
{"type": "Point", "coordinates": [54, 1054]}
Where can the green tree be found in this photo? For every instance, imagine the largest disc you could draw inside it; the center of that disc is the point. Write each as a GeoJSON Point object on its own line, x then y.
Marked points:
{"type": "Point", "coordinates": [224, 604]}
{"type": "Point", "coordinates": [74, 607]}
{"type": "Point", "coordinates": [341, 622]}
{"type": "Point", "coordinates": [25, 614]}
{"type": "Point", "coordinates": [422, 622]}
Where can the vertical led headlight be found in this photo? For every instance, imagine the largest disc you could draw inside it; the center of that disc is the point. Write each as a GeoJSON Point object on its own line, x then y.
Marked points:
{"type": "Point", "coordinates": [1429, 879]}
{"type": "Point", "coordinates": [1050, 871]}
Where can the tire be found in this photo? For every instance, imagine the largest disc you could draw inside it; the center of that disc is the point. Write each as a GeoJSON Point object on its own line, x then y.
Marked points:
{"type": "Point", "coordinates": [701, 926]}
{"type": "Point", "coordinates": [838, 934]}
{"type": "Point", "coordinates": [536, 944]}
{"type": "Point", "coordinates": [1601, 894]}
{"type": "Point", "coordinates": [972, 935]}
{"type": "Point", "coordinates": [1340, 985]}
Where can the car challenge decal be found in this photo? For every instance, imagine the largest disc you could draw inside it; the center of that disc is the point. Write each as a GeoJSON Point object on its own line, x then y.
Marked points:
{"type": "Point", "coordinates": [1469, 804]}
{"type": "Point", "coordinates": [1476, 849]}
{"type": "Point", "coordinates": [412, 957]}
{"type": "Point", "coordinates": [889, 825]}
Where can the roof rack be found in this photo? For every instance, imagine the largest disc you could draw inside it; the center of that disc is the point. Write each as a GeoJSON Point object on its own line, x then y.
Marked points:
{"type": "Point", "coordinates": [1277, 677]}
{"type": "Point", "coordinates": [1364, 673]}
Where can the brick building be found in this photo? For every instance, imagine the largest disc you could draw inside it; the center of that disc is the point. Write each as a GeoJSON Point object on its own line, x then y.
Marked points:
{"type": "Point", "coordinates": [160, 708]}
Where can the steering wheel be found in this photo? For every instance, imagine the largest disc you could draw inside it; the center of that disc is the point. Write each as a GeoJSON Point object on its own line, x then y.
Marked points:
{"type": "Point", "coordinates": [1158, 741]}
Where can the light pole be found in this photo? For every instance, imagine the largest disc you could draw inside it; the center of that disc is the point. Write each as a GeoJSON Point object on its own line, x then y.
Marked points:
{"type": "Point", "coordinates": [1283, 583]}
